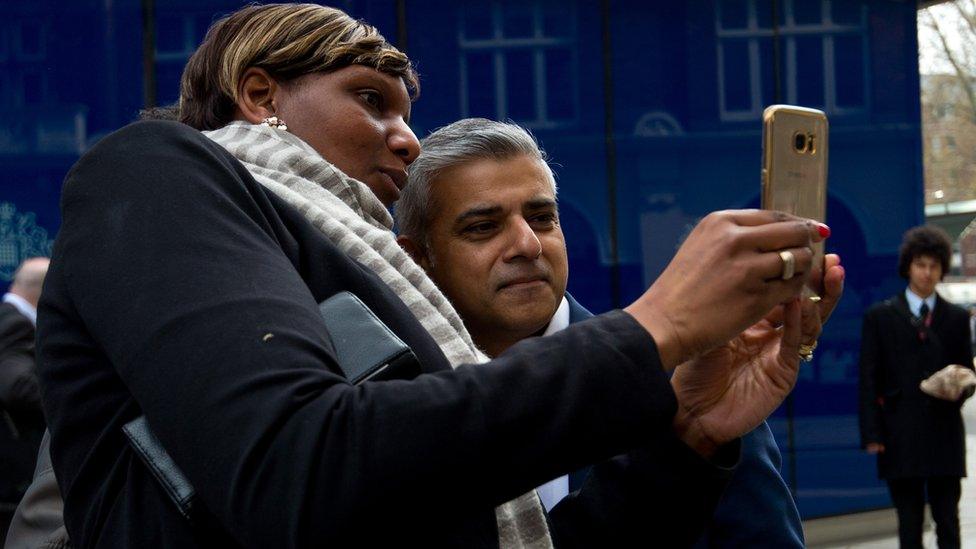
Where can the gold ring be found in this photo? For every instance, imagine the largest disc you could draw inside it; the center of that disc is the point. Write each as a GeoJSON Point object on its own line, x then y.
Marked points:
{"type": "Point", "coordinates": [806, 351]}
{"type": "Point", "coordinates": [789, 264]}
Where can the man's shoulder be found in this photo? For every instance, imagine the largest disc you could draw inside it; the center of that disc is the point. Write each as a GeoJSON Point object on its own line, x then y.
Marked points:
{"type": "Point", "coordinates": [954, 310]}
{"type": "Point", "coordinates": [13, 322]}
{"type": "Point", "coordinates": [577, 312]}
{"type": "Point", "coordinates": [9, 312]}
{"type": "Point", "coordinates": [888, 305]}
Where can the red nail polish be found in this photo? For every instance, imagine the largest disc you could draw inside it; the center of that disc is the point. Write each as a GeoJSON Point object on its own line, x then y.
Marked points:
{"type": "Point", "coordinates": [823, 230]}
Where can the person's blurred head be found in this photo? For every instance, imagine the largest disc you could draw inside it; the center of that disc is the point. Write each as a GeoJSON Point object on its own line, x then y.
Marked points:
{"type": "Point", "coordinates": [29, 279]}
{"type": "Point", "coordinates": [334, 81]}
{"type": "Point", "coordinates": [479, 214]}
{"type": "Point", "coordinates": [924, 257]}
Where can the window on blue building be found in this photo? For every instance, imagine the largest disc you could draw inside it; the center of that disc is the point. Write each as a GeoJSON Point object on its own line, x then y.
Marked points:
{"type": "Point", "coordinates": [822, 55]}
{"type": "Point", "coordinates": [518, 61]}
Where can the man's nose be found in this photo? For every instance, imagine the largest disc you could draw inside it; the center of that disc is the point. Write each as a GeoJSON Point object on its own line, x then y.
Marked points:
{"type": "Point", "coordinates": [525, 242]}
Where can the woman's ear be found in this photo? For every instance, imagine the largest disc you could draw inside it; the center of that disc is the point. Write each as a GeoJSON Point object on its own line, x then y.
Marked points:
{"type": "Point", "coordinates": [256, 94]}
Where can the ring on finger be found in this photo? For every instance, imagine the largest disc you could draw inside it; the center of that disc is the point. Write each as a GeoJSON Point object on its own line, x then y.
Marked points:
{"type": "Point", "coordinates": [789, 264]}
{"type": "Point", "coordinates": [806, 351]}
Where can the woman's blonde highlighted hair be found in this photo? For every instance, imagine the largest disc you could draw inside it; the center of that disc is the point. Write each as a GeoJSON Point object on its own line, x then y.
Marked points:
{"type": "Point", "coordinates": [288, 41]}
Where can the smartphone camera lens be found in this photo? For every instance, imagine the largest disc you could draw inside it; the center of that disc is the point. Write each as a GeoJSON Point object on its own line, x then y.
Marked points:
{"type": "Point", "coordinates": [799, 142]}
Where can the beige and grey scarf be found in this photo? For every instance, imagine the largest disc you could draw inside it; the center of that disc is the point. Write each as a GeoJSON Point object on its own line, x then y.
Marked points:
{"type": "Point", "coordinates": [353, 219]}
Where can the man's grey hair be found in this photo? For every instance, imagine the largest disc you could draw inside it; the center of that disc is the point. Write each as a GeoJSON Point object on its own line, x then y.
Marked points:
{"type": "Point", "coordinates": [455, 144]}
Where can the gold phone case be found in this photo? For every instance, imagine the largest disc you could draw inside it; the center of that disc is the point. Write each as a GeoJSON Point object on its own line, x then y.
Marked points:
{"type": "Point", "coordinates": [794, 175]}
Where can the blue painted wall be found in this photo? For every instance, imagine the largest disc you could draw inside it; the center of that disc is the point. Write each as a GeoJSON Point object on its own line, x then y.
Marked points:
{"type": "Point", "coordinates": [650, 111]}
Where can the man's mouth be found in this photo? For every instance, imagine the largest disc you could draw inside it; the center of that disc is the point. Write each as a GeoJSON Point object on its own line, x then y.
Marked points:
{"type": "Point", "coordinates": [523, 282]}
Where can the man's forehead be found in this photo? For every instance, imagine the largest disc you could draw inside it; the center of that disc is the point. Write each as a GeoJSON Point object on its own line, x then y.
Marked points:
{"type": "Point", "coordinates": [483, 184]}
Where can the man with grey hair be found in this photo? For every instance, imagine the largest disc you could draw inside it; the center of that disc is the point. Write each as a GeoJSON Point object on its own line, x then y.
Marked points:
{"type": "Point", "coordinates": [20, 398]}
{"type": "Point", "coordinates": [479, 214]}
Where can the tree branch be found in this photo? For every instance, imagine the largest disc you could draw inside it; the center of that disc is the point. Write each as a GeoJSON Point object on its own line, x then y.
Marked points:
{"type": "Point", "coordinates": [964, 77]}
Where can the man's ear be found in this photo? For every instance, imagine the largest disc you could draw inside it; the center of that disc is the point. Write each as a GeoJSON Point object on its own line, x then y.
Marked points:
{"type": "Point", "coordinates": [414, 250]}
{"type": "Point", "coordinates": [256, 94]}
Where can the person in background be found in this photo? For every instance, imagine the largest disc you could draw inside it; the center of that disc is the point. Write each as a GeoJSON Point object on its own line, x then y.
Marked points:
{"type": "Point", "coordinates": [22, 422]}
{"type": "Point", "coordinates": [919, 440]}
{"type": "Point", "coordinates": [480, 214]}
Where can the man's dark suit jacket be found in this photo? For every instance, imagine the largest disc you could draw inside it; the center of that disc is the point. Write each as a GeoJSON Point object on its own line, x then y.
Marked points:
{"type": "Point", "coordinates": [21, 416]}
{"type": "Point", "coordinates": [757, 508]}
{"type": "Point", "coordinates": [923, 435]}
{"type": "Point", "coordinates": [182, 289]}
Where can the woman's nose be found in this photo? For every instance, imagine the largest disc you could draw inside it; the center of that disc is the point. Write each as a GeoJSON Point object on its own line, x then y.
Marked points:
{"type": "Point", "coordinates": [404, 143]}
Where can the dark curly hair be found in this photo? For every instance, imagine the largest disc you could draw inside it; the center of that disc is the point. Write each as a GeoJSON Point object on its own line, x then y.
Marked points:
{"type": "Point", "coordinates": [926, 240]}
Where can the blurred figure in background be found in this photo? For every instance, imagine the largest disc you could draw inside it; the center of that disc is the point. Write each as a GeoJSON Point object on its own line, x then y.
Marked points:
{"type": "Point", "coordinates": [20, 400]}
{"type": "Point", "coordinates": [919, 439]}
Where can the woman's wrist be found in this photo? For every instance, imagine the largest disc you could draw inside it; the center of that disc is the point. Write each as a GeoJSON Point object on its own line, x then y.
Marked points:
{"type": "Point", "coordinates": [662, 329]}
{"type": "Point", "coordinates": [689, 430]}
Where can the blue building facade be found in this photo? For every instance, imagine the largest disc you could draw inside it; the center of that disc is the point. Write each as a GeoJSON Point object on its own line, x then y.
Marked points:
{"type": "Point", "coordinates": [650, 111]}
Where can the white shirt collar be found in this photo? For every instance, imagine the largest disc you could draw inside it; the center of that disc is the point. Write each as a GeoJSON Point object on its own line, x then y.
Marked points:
{"type": "Point", "coordinates": [22, 305]}
{"type": "Point", "coordinates": [560, 319]}
{"type": "Point", "coordinates": [556, 489]}
{"type": "Point", "coordinates": [915, 302]}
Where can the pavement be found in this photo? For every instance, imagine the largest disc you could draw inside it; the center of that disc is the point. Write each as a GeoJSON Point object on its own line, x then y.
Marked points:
{"type": "Point", "coordinates": [967, 503]}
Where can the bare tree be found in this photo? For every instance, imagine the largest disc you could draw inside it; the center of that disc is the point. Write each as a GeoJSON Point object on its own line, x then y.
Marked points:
{"type": "Point", "coordinates": [955, 42]}
{"type": "Point", "coordinates": [949, 100]}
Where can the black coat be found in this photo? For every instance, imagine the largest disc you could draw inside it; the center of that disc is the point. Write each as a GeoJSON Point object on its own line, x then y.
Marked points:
{"type": "Point", "coordinates": [21, 417]}
{"type": "Point", "coordinates": [923, 436]}
{"type": "Point", "coordinates": [171, 269]}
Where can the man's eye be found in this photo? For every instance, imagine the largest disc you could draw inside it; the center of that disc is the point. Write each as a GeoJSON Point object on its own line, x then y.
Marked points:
{"type": "Point", "coordinates": [545, 219]}
{"type": "Point", "coordinates": [479, 228]}
{"type": "Point", "coordinates": [371, 98]}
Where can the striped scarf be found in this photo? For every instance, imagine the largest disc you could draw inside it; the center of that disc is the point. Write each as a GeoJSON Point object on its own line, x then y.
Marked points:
{"type": "Point", "coordinates": [354, 220]}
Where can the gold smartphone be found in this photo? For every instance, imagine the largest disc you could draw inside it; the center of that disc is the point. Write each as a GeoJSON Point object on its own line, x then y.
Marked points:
{"type": "Point", "coordinates": [794, 174]}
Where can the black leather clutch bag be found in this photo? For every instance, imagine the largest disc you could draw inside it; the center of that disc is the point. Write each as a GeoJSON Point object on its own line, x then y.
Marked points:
{"type": "Point", "coordinates": [366, 350]}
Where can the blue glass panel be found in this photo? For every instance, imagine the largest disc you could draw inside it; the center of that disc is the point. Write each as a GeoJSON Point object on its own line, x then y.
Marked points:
{"type": "Point", "coordinates": [849, 70]}
{"type": "Point", "coordinates": [520, 85]}
{"type": "Point", "coordinates": [809, 71]}
{"type": "Point", "coordinates": [518, 20]}
{"type": "Point", "coordinates": [764, 13]}
{"type": "Point", "coordinates": [807, 12]}
{"type": "Point", "coordinates": [768, 72]}
{"type": "Point", "coordinates": [170, 34]}
{"type": "Point", "coordinates": [6, 94]}
{"type": "Point", "coordinates": [30, 38]}
{"type": "Point", "coordinates": [481, 84]}
{"type": "Point", "coordinates": [734, 14]}
{"type": "Point", "coordinates": [200, 25]}
{"type": "Point", "coordinates": [847, 12]}
{"type": "Point", "coordinates": [168, 82]}
{"type": "Point", "coordinates": [557, 19]}
{"type": "Point", "coordinates": [478, 21]}
{"type": "Point", "coordinates": [735, 70]}
{"type": "Point", "coordinates": [35, 92]}
{"type": "Point", "coordinates": [559, 84]}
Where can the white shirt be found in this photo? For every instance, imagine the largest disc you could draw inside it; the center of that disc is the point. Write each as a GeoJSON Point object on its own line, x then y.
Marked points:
{"type": "Point", "coordinates": [556, 489]}
{"type": "Point", "coordinates": [22, 305]}
{"type": "Point", "coordinates": [915, 301]}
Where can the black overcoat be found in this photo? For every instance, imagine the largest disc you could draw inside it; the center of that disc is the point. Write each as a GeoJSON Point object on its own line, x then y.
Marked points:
{"type": "Point", "coordinates": [22, 422]}
{"type": "Point", "coordinates": [923, 436]}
